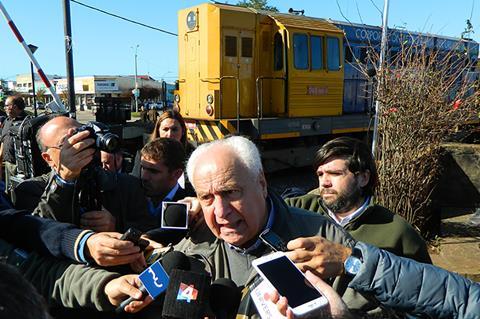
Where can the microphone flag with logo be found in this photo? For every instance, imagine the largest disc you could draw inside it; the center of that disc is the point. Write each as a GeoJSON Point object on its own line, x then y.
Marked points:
{"type": "Point", "coordinates": [187, 295]}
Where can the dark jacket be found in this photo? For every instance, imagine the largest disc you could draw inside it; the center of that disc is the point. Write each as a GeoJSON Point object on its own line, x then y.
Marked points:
{"type": "Point", "coordinates": [42, 235]}
{"type": "Point", "coordinates": [10, 128]}
{"type": "Point", "coordinates": [416, 288]}
{"type": "Point", "coordinates": [121, 194]}
{"type": "Point", "coordinates": [377, 226]}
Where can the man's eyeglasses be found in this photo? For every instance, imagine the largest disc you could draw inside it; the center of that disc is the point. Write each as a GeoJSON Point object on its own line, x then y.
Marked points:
{"type": "Point", "coordinates": [58, 146]}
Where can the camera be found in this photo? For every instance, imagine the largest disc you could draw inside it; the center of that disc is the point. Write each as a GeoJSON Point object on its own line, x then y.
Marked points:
{"type": "Point", "coordinates": [104, 139]}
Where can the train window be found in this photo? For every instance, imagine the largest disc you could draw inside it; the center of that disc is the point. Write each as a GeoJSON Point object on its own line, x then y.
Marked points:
{"type": "Point", "coordinates": [333, 54]}
{"type": "Point", "coordinates": [363, 55]}
{"type": "Point", "coordinates": [348, 53]}
{"type": "Point", "coordinates": [277, 52]}
{"type": "Point", "coordinates": [247, 47]}
{"type": "Point", "coordinates": [300, 51]}
{"type": "Point", "coordinates": [230, 46]}
{"type": "Point", "coordinates": [316, 49]}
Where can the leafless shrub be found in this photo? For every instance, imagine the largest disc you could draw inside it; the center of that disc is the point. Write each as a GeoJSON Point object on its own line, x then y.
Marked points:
{"type": "Point", "coordinates": [425, 97]}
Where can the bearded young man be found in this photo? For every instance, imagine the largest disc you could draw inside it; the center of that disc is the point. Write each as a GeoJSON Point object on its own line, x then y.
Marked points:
{"type": "Point", "coordinates": [347, 177]}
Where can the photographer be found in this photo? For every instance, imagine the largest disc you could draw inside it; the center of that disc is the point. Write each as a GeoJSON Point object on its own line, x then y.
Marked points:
{"type": "Point", "coordinates": [69, 151]}
{"type": "Point", "coordinates": [15, 108]}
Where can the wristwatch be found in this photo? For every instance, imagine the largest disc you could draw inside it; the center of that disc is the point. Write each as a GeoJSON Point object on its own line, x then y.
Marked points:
{"type": "Point", "coordinates": [354, 262]}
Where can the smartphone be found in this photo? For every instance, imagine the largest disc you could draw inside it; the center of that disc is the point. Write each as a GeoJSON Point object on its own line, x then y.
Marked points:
{"type": "Point", "coordinates": [273, 240]}
{"type": "Point", "coordinates": [290, 282]}
{"type": "Point", "coordinates": [174, 215]}
{"type": "Point", "coordinates": [133, 235]}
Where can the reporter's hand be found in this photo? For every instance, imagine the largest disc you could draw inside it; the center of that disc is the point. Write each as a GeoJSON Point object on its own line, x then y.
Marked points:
{"type": "Point", "coordinates": [324, 258]}
{"type": "Point", "coordinates": [140, 264]}
{"type": "Point", "coordinates": [75, 154]}
{"type": "Point", "coordinates": [98, 221]}
{"type": "Point", "coordinates": [106, 249]}
{"type": "Point", "coordinates": [195, 210]}
{"type": "Point", "coordinates": [121, 288]}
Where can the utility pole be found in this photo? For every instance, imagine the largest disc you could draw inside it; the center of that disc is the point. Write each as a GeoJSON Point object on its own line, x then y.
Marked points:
{"type": "Point", "coordinates": [33, 48]}
{"type": "Point", "coordinates": [136, 94]}
{"type": "Point", "coordinates": [383, 49]}
{"type": "Point", "coordinates": [69, 57]}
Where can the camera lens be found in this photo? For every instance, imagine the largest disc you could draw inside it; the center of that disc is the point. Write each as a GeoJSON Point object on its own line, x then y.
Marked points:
{"type": "Point", "coordinates": [108, 142]}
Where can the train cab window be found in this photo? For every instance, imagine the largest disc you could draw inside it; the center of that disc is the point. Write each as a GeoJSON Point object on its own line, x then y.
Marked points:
{"type": "Point", "coordinates": [333, 54]}
{"type": "Point", "coordinates": [247, 47]}
{"type": "Point", "coordinates": [230, 46]}
{"type": "Point", "coordinates": [316, 48]}
{"type": "Point", "coordinates": [300, 51]}
{"type": "Point", "coordinates": [277, 52]}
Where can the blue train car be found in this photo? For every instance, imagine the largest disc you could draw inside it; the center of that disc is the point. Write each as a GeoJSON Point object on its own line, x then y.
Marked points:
{"type": "Point", "coordinates": [360, 38]}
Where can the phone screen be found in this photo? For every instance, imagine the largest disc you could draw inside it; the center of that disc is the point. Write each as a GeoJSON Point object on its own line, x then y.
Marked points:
{"type": "Point", "coordinates": [288, 281]}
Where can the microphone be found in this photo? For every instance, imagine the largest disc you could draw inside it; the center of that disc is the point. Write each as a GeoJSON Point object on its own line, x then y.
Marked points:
{"type": "Point", "coordinates": [225, 298]}
{"type": "Point", "coordinates": [174, 225]}
{"type": "Point", "coordinates": [175, 215]}
{"type": "Point", "coordinates": [187, 295]}
{"type": "Point", "coordinates": [155, 277]}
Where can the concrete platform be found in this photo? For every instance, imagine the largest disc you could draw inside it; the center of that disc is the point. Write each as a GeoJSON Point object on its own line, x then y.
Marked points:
{"type": "Point", "coordinates": [458, 247]}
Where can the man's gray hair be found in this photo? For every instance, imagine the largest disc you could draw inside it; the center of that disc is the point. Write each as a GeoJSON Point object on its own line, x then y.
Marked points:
{"type": "Point", "coordinates": [246, 151]}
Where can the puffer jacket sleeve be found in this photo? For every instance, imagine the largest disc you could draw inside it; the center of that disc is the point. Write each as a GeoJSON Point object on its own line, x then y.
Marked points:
{"type": "Point", "coordinates": [405, 285]}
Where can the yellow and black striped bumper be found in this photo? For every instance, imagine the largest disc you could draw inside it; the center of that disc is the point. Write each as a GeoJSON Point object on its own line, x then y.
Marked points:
{"type": "Point", "coordinates": [204, 131]}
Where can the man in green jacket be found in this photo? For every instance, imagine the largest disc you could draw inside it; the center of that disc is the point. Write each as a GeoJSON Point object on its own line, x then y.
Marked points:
{"type": "Point", "coordinates": [347, 178]}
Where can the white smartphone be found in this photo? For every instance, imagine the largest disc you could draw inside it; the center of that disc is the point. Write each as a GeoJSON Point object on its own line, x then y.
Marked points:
{"type": "Point", "coordinates": [290, 282]}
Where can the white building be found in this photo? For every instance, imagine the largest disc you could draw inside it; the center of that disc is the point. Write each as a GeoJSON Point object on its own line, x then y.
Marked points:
{"type": "Point", "coordinates": [88, 87]}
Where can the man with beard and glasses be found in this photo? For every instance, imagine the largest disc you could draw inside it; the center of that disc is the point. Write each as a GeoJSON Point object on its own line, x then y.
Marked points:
{"type": "Point", "coordinates": [347, 178]}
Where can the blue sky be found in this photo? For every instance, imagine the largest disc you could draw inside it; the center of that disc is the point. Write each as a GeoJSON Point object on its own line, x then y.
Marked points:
{"type": "Point", "coordinates": [103, 45]}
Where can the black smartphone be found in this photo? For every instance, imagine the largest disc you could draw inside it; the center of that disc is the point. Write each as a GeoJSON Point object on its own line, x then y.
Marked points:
{"type": "Point", "coordinates": [133, 235]}
{"type": "Point", "coordinates": [273, 240]}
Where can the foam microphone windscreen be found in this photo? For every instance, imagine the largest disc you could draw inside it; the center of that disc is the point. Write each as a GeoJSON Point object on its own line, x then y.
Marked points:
{"type": "Point", "coordinates": [225, 298]}
{"type": "Point", "coordinates": [175, 260]}
{"type": "Point", "coordinates": [175, 215]}
{"type": "Point", "coordinates": [187, 295]}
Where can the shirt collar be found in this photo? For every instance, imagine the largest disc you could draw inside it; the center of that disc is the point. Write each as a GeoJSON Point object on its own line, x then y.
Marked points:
{"type": "Point", "coordinates": [258, 242]}
{"type": "Point", "coordinates": [172, 193]}
{"type": "Point", "coordinates": [155, 211]}
{"type": "Point", "coordinates": [342, 221]}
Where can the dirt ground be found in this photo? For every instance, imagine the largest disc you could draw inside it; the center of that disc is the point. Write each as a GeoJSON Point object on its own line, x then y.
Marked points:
{"type": "Point", "coordinates": [458, 247]}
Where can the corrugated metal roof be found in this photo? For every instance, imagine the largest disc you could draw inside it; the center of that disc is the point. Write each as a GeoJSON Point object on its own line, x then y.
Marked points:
{"type": "Point", "coordinates": [302, 22]}
{"type": "Point", "coordinates": [289, 20]}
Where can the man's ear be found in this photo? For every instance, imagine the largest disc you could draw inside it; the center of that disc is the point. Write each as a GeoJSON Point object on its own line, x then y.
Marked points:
{"type": "Point", "coordinates": [47, 158]}
{"type": "Point", "coordinates": [177, 173]}
{"type": "Point", "coordinates": [363, 178]}
{"type": "Point", "coordinates": [263, 184]}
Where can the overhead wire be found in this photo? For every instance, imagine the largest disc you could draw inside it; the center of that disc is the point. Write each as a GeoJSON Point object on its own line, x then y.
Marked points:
{"type": "Point", "coordinates": [123, 18]}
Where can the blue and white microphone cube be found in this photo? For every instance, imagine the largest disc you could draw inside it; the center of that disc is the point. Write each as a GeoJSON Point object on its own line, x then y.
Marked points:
{"type": "Point", "coordinates": [155, 279]}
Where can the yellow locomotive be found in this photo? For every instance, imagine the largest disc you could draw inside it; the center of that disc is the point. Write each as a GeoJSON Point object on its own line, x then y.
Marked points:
{"type": "Point", "coordinates": [277, 78]}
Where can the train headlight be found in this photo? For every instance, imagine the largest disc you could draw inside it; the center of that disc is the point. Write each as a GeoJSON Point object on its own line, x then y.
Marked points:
{"type": "Point", "coordinates": [210, 99]}
{"type": "Point", "coordinates": [177, 98]}
{"type": "Point", "coordinates": [209, 110]}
